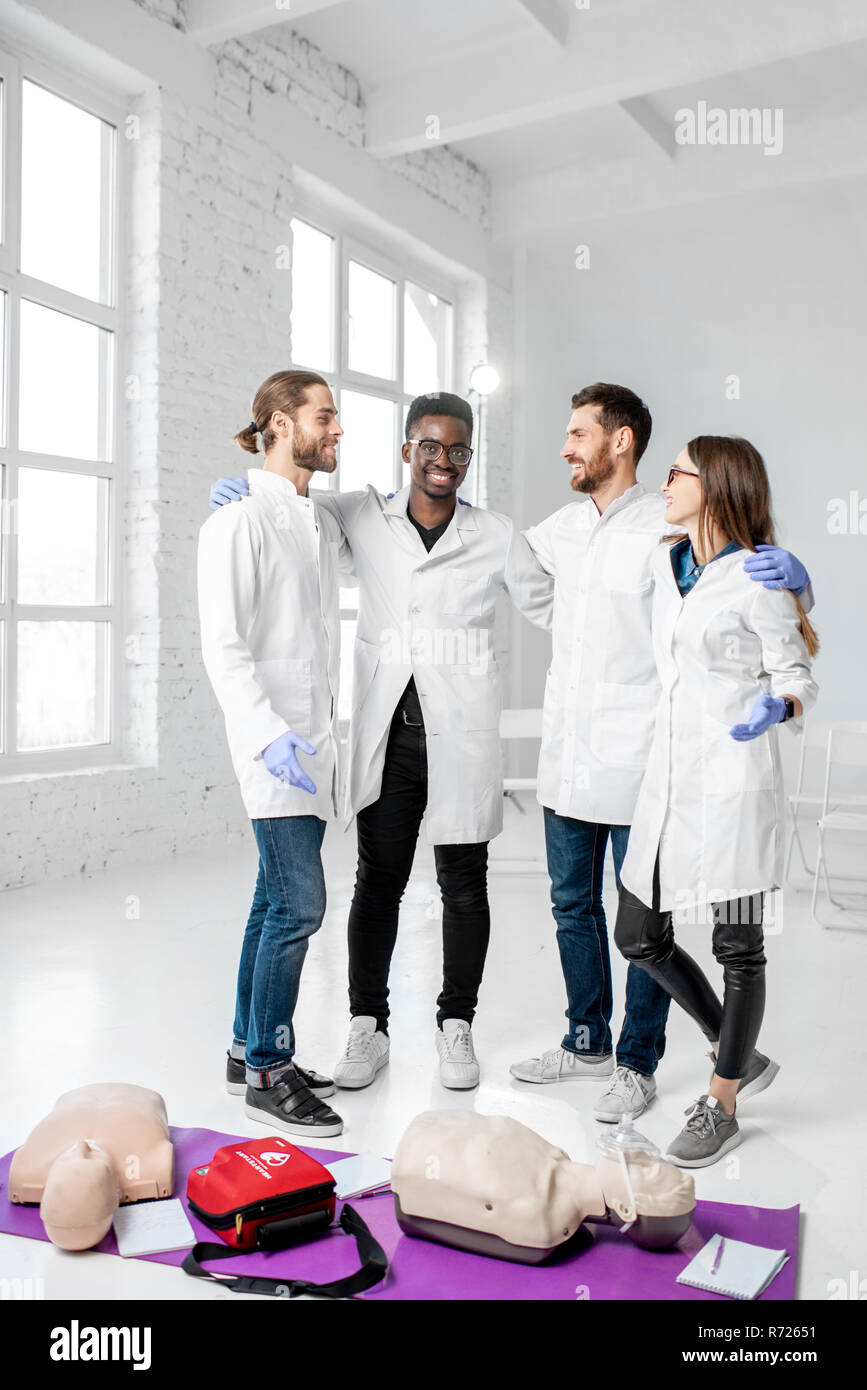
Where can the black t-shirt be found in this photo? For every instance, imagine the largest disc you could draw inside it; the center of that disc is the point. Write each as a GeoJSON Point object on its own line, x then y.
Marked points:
{"type": "Point", "coordinates": [409, 701]}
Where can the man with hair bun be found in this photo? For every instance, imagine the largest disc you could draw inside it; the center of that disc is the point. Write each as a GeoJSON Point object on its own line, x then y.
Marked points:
{"type": "Point", "coordinates": [268, 608]}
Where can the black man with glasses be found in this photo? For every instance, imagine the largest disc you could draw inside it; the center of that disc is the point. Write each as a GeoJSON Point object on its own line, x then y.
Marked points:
{"type": "Point", "coordinates": [424, 732]}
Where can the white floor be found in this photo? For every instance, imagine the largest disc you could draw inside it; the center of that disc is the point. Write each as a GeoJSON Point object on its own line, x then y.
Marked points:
{"type": "Point", "coordinates": [93, 993]}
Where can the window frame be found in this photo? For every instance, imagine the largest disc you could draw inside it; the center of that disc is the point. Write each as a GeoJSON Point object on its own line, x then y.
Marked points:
{"type": "Point", "coordinates": [349, 246]}
{"type": "Point", "coordinates": [107, 315]}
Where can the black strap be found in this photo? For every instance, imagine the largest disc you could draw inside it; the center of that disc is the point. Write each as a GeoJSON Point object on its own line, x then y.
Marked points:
{"type": "Point", "coordinates": [374, 1265]}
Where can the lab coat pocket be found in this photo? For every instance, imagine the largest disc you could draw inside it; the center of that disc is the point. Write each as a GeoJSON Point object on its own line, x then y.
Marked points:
{"type": "Point", "coordinates": [464, 592]}
{"type": "Point", "coordinates": [621, 724]}
{"type": "Point", "coordinates": [366, 664]}
{"type": "Point", "coordinates": [731, 768]}
{"type": "Point", "coordinates": [288, 685]}
{"type": "Point", "coordinates": [475, 691]}
{"type": "Point", "coordinates": [628, 556]}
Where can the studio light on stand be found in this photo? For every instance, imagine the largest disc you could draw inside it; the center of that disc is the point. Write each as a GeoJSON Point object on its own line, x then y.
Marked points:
{"type": "Point", "coordinates": [483, 380]}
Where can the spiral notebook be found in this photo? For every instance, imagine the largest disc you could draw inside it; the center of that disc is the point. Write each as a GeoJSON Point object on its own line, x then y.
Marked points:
{"type": "Point", "coordinates": [742, 1270]}
{"type": "Point", "coordinates": [151, 1228]}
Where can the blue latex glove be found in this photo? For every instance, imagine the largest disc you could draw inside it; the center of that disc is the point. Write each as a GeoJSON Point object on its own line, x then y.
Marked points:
{"type": "Point", "coordinates": [777, 569]}
{"type": "Point", "coordinates": [281, 761]}
{"type": "Point", "coordinates": [228, 490]}
{"type": "Point", "coordinates": [767, 710]}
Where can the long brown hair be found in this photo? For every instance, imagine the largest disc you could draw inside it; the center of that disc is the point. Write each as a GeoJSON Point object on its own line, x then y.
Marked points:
{"type": "Point", "coordinates": [284, 391]}
{"type": "Point", "coordinates": [736, 498]}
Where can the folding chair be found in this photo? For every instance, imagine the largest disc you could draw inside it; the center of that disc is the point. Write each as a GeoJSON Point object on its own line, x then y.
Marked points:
{"type": "Point", "coordinates": [807, 796]}
{"type": "Point", "coordinates": [519, 724]}
{"type": "Point", "coordinates": [847, 749]}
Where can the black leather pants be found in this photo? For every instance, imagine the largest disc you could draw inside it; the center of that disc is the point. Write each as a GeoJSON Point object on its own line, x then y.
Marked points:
{"type": "Point", "coordinates": [645, 936]}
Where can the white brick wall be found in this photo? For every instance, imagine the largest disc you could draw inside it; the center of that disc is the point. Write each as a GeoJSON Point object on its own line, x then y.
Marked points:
{"type": "Point", "coordinates": [207, 321]}
{"type": "Point", "coordinates": [282, 62]}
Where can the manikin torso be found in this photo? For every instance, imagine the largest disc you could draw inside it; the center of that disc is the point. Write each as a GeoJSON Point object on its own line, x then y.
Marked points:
{"type": "Point", "coordinates": [100, 1146]}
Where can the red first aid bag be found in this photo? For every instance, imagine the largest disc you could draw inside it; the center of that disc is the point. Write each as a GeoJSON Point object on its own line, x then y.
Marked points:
{"type": "Point", "coordinates": [266, 1194]}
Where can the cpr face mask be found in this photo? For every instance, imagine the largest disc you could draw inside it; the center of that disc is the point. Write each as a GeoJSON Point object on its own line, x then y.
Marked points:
{"type": "Point", "coordinates": [488, 1184]}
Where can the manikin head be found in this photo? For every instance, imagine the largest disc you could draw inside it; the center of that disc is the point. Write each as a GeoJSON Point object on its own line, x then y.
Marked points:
{"type": "Point", "coordinates": [80, 1197]}
{"type": "Point", "coordinates": [607, 434]}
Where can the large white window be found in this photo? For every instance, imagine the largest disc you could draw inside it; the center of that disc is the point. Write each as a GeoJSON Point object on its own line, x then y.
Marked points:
{"type": "Point", "coordinates": [59, 322]}
{"type": "Point", "coordinates": [381, 335]}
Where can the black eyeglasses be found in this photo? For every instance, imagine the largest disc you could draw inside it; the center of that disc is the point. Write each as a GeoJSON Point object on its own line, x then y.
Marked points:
{"type": "Point", "coordinates": [431, 450]}
{"type": "Point", "coordinates": [685, 471]}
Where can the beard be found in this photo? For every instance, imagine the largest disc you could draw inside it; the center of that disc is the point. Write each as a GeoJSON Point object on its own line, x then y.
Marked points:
{"type": "Point", "coordinates": [597, 470]}
{"type": "Point", "coordinates": [310, 453]}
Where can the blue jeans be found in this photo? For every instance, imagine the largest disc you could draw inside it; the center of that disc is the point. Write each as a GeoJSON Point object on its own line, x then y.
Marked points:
{"type": "Point", "coordinates": [576, 856]}
{"type": "Point", "coordinates": [288, 907]}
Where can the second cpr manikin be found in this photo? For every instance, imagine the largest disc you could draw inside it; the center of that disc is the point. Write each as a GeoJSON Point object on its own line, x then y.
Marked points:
{"type": "Point", "coordinates": [488, 1184]}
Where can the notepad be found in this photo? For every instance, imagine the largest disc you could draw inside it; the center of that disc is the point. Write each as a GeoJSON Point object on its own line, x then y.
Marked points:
{"type": "Point", "coordinates": [363, 1173]}
{"type": "Point", "coordinates": [151, 1228]}
{"type": "Point", "coordinates": [743, 1270]}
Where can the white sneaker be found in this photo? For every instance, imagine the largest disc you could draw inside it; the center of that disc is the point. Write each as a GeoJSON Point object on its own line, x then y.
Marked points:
{"type": "Point", "coordinates": [560, 1065]}
{"type": "Point", "coordinates": [366, 1052]}
{"type": "Point", "coordinates": [627, 1093]}
{"type": "Point", "coordinates": [459, 1069]}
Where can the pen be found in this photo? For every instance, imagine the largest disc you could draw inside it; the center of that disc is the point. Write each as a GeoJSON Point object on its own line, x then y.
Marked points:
{"type": "Point", "coordinates": [718, 1256]}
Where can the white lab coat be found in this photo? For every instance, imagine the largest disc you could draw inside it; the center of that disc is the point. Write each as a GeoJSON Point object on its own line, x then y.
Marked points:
{"type": "Point", "coordinates": [268, 574]}
{"type": "Point", "coordinates": [712, 806]}
{"type": "Point", "coordinates": [602, 686]}
{"type": "Point", "coordinates": [430, 616]}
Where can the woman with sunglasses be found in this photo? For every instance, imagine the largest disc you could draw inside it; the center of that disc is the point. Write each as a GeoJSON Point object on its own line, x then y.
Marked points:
{"type": "Point", "coordinates": [734, 660]}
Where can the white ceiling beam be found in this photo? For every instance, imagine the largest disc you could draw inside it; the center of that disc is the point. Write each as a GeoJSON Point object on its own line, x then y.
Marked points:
{"type": "Point", "coordinates": [612, 56]}
{"type": "Point", "coordinates": [336, 170]}
{"type": "Point", "coordinates": [214, 21]}
{"type": "Point", "coordinates": [645, 116]}
{"type": "Point", "coordinates": [571, 199]}
{"type": "Point", "coordinates": [550, 16]}
{"type": "Point", "coordinates": [142, 52]}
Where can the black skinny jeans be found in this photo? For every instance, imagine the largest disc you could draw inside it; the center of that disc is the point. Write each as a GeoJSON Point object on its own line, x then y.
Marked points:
{"type": "Point", "coordinates": [645, 936]}
{"type": "Point", "coordinates": [387, 836]}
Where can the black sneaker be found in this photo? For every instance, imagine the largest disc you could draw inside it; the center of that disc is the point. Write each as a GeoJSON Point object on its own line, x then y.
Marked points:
{"type": "Point", "coordinates": [236, 1079]}
{"type": "Point", "coordinates": [292, 1106]}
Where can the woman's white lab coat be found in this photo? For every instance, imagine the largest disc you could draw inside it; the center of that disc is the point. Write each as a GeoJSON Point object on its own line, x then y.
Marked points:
{"type": "Point", "coordinates": [711, 806]}
{"type": "Point", "coordinates": [268, 573]}
{"type": "Point", "coordinates": [431, 616]}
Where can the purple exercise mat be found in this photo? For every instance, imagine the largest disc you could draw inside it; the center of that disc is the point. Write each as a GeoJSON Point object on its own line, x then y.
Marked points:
{"type": "Point", "coordinates": [605, 1266]}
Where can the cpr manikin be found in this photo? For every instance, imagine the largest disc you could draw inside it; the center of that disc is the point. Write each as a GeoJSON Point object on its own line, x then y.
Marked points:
{"type": "Point", "coordinates": [100, 1146]}
{"type": "Point", "coordinates": [488, 1184]}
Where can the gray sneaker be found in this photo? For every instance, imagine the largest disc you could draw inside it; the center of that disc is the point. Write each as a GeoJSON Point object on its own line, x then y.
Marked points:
{"type": "Point", "coordinates": [758, 1076]}
{"type": "Point", "coordinates": [708, 1134]}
